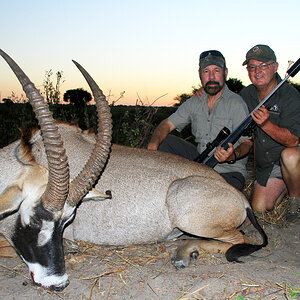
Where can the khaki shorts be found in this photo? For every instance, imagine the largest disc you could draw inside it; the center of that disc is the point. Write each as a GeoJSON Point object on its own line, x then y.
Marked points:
{"type": "Point", "coordinates": [276, 172]}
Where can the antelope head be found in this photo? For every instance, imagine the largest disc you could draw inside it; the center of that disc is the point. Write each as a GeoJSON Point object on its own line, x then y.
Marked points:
{"type": "Point", "coordinates": [37, 206]}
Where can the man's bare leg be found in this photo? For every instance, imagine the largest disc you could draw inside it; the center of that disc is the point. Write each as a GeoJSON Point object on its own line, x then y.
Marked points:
{"type": "Point", "coordinates": [290, 167]}
{"type": "Point", "coordinates": [264, 198]}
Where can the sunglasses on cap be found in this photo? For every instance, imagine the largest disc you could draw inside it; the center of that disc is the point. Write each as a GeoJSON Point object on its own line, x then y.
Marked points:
{"type": "Point", "coordinates": [211, 52]}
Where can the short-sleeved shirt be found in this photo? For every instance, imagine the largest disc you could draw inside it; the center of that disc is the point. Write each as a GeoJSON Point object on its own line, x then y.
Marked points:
{"type": "Point", "coordinates": [284, 109]}
{"type": "Point", "coordinates": [229, 110]}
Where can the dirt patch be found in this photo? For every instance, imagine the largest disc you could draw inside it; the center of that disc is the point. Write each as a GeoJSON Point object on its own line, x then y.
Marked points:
{"type": "Point", "coordinates": [145, 272]}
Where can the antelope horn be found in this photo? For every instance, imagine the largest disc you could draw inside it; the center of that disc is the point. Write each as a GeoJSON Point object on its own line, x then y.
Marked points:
{"type": "Point", "coordinates": [57, 188]}
{"type": "Point", "coordinates": [85, 180]}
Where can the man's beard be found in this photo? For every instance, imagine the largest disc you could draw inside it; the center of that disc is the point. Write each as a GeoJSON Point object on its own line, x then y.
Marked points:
{"type": "Point", "coordinates": [213, 90]}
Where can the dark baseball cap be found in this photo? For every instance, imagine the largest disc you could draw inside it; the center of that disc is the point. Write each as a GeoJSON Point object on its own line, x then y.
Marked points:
{"type": "Point", "coordinates": [211, 57]}
{"type": "Point", "coordinates": [260, 52]}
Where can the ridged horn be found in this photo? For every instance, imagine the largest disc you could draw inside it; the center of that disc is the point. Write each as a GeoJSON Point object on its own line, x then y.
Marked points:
{"type": "Point", "coordinates": [57, 188]}
{"type": "Point", "coordinates": [85, 180]}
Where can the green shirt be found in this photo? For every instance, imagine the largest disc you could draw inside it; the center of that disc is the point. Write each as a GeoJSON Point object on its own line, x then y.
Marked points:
{"type": "Point", "coordinates": [284, 109]}
{"type": "Point", "coordinates": [229, 110]}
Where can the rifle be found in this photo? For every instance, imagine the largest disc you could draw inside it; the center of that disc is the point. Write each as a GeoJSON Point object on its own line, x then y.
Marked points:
{"type": "Point", "coordinates": [238, 132]}
{"type": "Point", "coordinates": [210, 146]}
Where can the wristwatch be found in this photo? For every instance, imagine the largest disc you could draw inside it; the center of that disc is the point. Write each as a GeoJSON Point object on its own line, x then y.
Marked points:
{"type": "Point", "coordinates": [234, 159]}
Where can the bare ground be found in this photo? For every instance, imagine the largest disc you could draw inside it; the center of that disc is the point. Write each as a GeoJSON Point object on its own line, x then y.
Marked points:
{"type": "Point", "coordinates": [145, 272]}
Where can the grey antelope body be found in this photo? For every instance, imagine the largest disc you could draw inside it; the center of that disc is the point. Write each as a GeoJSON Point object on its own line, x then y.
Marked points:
{"type": "Point", "coordinates": [151, 194]}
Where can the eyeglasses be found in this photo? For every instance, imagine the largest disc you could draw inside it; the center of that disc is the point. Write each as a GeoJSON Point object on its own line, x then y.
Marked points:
{"type": "Point", "coordinates": [211, 52]}
{"type": "Point", "coordinates": [262, 66]}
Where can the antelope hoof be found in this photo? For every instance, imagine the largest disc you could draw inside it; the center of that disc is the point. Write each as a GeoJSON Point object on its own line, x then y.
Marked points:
{"type": "Point", "coordinates": [180, 263]}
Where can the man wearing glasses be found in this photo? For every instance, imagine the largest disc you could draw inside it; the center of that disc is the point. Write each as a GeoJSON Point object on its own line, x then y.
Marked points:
{"type": "Point", "coordinates": [216, 108]}
{"type": "Point", "coordinates": [277, 133]}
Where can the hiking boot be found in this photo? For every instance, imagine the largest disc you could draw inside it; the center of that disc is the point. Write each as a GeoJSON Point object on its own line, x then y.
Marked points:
{"type": "Point", "coordinates": [293, 209]}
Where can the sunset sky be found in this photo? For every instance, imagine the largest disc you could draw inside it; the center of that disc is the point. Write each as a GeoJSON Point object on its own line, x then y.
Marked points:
{"type": "Point", "coordinates": [145, 48]}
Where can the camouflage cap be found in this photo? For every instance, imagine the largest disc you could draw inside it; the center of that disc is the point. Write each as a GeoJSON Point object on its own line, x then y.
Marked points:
{"type": "Point", "coordinates": [211, 57]}
{"type": "Point", "coordinates": [260, 52]}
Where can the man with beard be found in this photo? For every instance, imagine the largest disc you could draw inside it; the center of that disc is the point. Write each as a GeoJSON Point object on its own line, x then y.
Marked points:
{"type": "Point", "coordinates": [216, 108]}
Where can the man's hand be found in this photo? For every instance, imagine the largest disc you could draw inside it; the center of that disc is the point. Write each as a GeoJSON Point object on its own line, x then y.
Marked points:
{"type": "Point", "coordinates": [199, 92]}
{"type": "Point", "coordinates": [160, 133]}
{"type": "Point", "coordinates": [261, 116]}
{"type": "Point", "coordinates": [223, 155]}
{"type": "Point", "coordinates": [152, 146]}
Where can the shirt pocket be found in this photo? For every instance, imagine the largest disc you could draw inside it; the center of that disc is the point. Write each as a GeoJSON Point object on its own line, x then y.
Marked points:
{"type": "Point", "coordinates": [274, 117]}
{"type": "Point", "coordinates": [217, 124]}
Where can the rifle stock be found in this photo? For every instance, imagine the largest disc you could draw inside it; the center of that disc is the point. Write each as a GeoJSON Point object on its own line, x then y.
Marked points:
{"type": "Point", "coordinates": [238, 132]}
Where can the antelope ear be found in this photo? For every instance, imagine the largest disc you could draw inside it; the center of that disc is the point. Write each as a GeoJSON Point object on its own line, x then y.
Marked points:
{"type": "Point", "coordinates": [29, 185]}
{"type": "Point", "coordinates": [6, 250]}
{"type": "Point", "coordinates": [95, 195]}
{"type": "Point", "coordinates": [10, 200]}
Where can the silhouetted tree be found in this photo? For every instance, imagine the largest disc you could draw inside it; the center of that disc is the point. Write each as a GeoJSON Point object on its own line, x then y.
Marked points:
{"type": "Point", "coordinates": [235, 85]}
{"type": "Point", "coordinates": [185, 96]}
{"type": "Point", "coordinates": [79, 97]}
{"type": "Point", "coordinates": [7, 101]}
{"type": "Point", "coordinates": [182, 98]}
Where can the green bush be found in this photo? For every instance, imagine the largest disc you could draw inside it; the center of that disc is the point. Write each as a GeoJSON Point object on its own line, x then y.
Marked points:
{"type": "Point", "coordinates": [132, 125]}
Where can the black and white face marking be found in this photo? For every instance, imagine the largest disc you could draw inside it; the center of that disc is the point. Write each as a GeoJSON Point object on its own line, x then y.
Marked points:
{"type": "Point", "coordinates": [40, 276]}
{"type": "Point", "coordinates": [40, 246]}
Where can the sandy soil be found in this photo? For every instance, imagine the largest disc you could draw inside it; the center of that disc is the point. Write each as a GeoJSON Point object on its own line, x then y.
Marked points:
{"type": "Point", "coordinates": [145, 272]}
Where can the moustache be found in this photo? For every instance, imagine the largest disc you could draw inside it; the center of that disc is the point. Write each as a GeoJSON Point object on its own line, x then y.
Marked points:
{"type": "Point", "coordinates": [212, 82]}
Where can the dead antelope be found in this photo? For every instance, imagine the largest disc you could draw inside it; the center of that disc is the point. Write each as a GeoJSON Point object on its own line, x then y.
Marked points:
{"type": "Point", "coordinates": [152, 193]}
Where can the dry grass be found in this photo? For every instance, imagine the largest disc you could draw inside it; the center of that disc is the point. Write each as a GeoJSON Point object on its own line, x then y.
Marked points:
{"type": "Point", "coordinates": [276, 215]}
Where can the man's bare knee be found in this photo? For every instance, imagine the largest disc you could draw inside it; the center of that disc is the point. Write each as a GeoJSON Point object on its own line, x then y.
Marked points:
{"type": "Point", "coordinates": [259, 205]}
{"type": "Point", "coordinates": [290, 158]}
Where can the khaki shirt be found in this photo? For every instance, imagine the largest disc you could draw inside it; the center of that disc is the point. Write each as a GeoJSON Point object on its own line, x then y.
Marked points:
{"type": "Point", "coordinates": [284, 109]}
{"type": "Point", "coordinates": [229, 110]}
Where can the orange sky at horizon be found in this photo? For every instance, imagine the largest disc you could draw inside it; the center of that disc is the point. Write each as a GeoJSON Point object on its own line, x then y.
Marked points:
{"type": "Point", "coordinates": [162, 94]}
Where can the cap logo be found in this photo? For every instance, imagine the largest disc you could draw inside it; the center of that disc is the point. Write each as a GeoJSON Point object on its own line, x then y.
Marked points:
{"type": "Point", "coordinates": [208, 57]}
{"type": "Point", "coordinates": [257, 50]}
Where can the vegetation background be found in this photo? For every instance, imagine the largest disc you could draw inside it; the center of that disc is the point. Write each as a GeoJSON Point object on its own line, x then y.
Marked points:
{"type": "Point", "coordinates": [132, 125]}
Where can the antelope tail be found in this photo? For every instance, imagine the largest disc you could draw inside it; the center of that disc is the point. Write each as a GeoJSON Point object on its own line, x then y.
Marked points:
{"type": "Point", "coordinates": [238, 250]}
